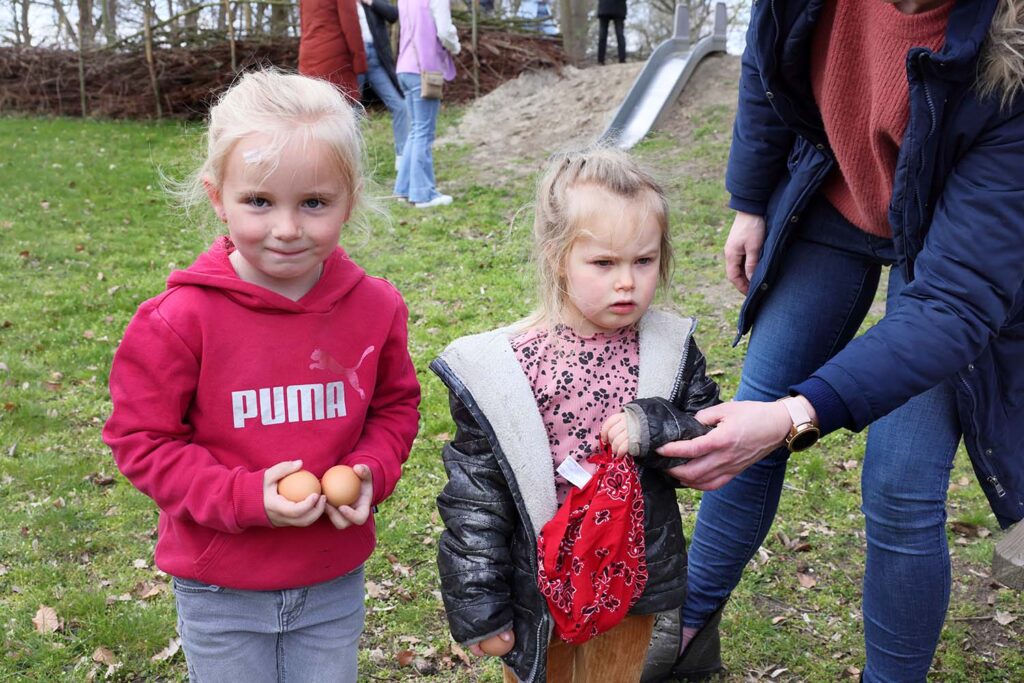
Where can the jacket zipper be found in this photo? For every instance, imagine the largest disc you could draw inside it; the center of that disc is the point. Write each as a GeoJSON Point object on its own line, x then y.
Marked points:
{"type": "Point", "coordinates": [676, 385]}
{"type": "Point", "coordinates": [982, 454]}
{"type": "Point", "coordinates": [932, 122]}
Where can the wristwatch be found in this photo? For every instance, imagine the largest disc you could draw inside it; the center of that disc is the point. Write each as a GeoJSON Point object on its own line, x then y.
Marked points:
{"type": "Point", "coordinates": [804, 433]}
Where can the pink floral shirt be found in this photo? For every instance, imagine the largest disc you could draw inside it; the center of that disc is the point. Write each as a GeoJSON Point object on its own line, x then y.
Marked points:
{"type": "Point", "coordinates": [577, 383]}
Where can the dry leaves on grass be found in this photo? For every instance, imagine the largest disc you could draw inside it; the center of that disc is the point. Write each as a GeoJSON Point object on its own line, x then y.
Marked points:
{"type": "Point", "coordinates": [1004, 618]}
{"type": "Point", "coordinates": [46, 620]}
{"type": "Point", "coordinates": [172, 648]}
{"type": "Point", "coordinates": [806, 580]}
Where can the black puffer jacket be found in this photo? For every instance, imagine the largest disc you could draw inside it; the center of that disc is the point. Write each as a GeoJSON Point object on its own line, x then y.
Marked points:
{"type": "Point", "coordinates": [501, 491]}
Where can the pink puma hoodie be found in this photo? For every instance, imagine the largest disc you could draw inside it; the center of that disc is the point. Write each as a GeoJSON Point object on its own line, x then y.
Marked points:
{"type": "Point", "coordinates": [217, 379]}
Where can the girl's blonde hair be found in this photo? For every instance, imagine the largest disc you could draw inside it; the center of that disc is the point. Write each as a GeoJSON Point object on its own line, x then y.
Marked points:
{"type": "Point", "coordinates": [558, 220]}
{"type": "Point", "coordinates": [290, 108]}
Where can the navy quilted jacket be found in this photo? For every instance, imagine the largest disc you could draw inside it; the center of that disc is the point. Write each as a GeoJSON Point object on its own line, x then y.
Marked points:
{"type": "Point", "coordinates": [957, 216]}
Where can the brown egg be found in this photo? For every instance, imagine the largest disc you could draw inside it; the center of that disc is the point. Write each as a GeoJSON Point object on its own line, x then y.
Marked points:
{"type": "Point", "coordinates": [495, 646]}
{"type": "Point", "coordinates": [341, 485]}
{"type": "Point", "coordinates": [297, 486]}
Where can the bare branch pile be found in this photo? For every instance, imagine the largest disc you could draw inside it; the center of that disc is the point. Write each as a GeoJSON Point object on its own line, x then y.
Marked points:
{"type": "Point", "coordinates": [117, 82]}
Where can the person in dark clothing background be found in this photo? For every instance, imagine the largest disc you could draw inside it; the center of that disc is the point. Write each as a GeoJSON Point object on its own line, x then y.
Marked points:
{"type": "Point", "coordinates": [611, 10]}
{"type": "Point", "coordinates": [374, 17]}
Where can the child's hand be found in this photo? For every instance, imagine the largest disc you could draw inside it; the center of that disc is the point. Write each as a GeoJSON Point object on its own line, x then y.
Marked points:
{"type": "Point", "coordinates": [615, 433]}
{"type": "Point", "coordinates": [347, 515]}
{"type": "Point", "coordinates": [280, 510]}
{"type": "Point", "coordinates": [496, 645]}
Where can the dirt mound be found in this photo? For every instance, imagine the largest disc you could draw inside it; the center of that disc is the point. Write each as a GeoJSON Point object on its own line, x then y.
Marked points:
{"type": "Point", "coordinates": [513, 128]}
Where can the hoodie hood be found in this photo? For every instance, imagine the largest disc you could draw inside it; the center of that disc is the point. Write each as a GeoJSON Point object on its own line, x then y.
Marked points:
{"type": "Point", "coordinates": [213, 269]}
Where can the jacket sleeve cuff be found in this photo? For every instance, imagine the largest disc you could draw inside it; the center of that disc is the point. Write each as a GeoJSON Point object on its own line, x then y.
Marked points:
{"type": "Point", "coordinates": [380, 487]}
{"type": "Point", "coordinates": [248, 494]}
{"type": "Point", "coordinates": [737, 203]}
{"type": "Point", "coordinates": [831, 411]}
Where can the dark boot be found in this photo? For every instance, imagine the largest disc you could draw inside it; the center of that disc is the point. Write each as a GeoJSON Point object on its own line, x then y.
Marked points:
{"type": "Point", "coordinates": [701, 660]}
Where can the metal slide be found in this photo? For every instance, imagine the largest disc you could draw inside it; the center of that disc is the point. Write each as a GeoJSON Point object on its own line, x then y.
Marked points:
{"type": "Point", "coordinates": [662, 79]}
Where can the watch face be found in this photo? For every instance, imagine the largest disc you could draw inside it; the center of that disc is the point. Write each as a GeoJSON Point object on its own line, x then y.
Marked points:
{"type": "Point", "coordinates": [804, 439]}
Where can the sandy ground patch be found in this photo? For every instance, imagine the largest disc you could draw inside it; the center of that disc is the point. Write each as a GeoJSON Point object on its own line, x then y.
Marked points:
{"type": "Point", "coordinates": [515, 127]}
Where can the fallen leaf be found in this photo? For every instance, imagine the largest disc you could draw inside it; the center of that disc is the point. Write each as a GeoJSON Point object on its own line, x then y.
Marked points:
{"type": "Point", "coordinates": [140, 564]}
{"type": "Point", "coordinates": [145, 590]}
{"type": "Point", "coordinates": [44, 205]}
{"type": "Point", "coordinates": [443, 436]}
{"type": "Point", "coordinates": [1004, 618]}
{"type": "Point", "coordinates": [46, 620]}
{"type": "Point", "coordinates": [806, 580]}
{"type": "Point", "coordinates": [100, 479]}
{"type": "Point", "coordinates": [172, 648]}
{"type": "Point", "coordinates": [461, 654]}
{"type": "Point", "coordinates": [405, 657]}
{"type": "Point", "coordinates": [103, 656]}
{"type": "Point", "coordinates": [88, 334]}
{"type": "Point", "coordinates": [964, 528]}
{"type": "Point", "coordinates": [778, 620]}
{"type": "Point", "coordinates": [778, 672]}
{"type": "Point", "coordinates": [374, 590]}
{"type": "Point", "coordinates": [852, 672]}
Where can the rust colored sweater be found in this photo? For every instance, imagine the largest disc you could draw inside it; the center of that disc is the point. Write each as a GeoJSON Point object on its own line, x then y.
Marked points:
{"type": "Point", "coordinates": [859, 77]}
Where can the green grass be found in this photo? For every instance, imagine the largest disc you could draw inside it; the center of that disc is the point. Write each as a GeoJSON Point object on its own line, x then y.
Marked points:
{"type": "Point", "coordinates": [86, 234]}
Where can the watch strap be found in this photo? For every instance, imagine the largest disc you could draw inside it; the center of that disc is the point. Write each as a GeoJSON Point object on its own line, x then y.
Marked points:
{"type": "Point", "coordinates": [797, 412]}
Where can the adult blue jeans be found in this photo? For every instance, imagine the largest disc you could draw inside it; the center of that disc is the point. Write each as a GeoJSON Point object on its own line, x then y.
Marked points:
{"type": "Point", "coordinates": [377, 76]}
{"type": "Point", "coordinates": [823, 292]}
{"type": "Point", "coordinates": [299, 634]}
{"type": "Point", "coordinates": [415, 178]}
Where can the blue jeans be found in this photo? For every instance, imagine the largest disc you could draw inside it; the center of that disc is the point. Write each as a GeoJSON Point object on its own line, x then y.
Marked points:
{"type": "Point", "coordinates": [416, 172]}
{"type": "Point", "coordinates": [377, 76]}
{"type": "Point", "coordinates": [825, 287]}
{"type": "Point", "coordinates": [300, 634]}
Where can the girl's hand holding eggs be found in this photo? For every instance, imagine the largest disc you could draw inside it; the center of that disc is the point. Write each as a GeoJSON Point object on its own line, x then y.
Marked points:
{"type": "Point", "coordinates": [354, 486]}
{"type": "Point", "coordinates": [291, 496]}
{"type": "Point", "coordinates": [295, 497]}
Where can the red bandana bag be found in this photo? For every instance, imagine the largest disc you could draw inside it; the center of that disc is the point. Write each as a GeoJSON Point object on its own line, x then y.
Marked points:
{"type": "Point", "coordinates": [591, 557]}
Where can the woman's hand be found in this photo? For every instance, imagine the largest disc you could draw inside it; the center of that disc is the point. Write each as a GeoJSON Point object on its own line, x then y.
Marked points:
{"type": "Point", "coordinates": [347, 515]}
{"type": "Point", "coordinates": [744, 432]}
{"type": "Point", "coordinates": [280, 510]}
{"type": "Point", "coordinates": [743, 249]}
{"type": "Point", "coordinates": [615, 433]}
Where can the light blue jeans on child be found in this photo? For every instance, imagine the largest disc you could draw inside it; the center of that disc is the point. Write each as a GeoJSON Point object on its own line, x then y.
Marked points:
{"type": "Point", "coordinates": [416, 172]}
{"type": "Point", "coordinates": [377, 76]}
{"type": "Point", "coordinates": [298, 635]}
{"type": "Point", "coordinates": [825, 287]}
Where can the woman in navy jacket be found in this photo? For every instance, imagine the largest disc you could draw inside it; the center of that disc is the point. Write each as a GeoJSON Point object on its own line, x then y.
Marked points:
{"type": "Point", "coordinates": [945, 362]}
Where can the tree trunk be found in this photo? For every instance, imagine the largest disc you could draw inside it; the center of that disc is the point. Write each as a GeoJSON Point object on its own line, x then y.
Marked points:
{"type": "Point", "coordinates": [25, 36]}
{"type": "Point", "coordinates": [278, 20]}
{"type": "Point", "coordinates": [63, 21]}
{"type": "Point", "coordinates": [110, 21]}
{"type": "Point", "coordinates": [86, 25]}
{"type": "Point", "coordinates": [573, 20]}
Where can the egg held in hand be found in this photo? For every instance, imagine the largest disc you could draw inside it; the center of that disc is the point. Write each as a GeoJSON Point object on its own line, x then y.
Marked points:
{"type": "Point", "coordinates": [341, 485]}
{"type": "Point", "coordinates": [495, 646]}
{"type": "Point", "coordinates": [297, 486]}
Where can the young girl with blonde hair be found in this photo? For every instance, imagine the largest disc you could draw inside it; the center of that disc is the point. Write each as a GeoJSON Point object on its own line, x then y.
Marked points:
{"type": "Point", "coordinates": [529, 402]}
{"type": "Point", "coordinates": [272, 352]}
